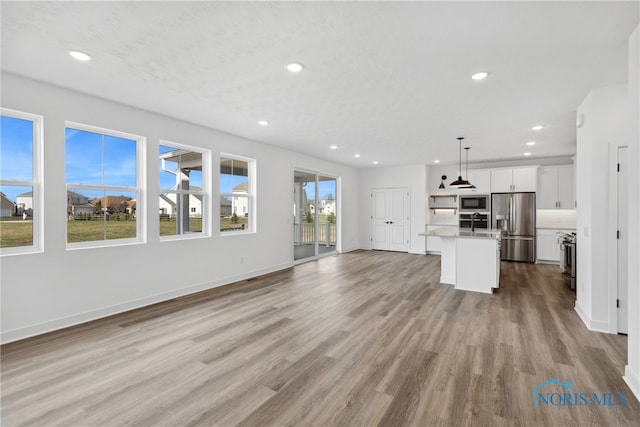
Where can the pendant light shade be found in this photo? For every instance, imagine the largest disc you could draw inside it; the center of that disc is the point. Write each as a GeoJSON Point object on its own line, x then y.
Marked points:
{"type": "Point", "coordinates": [460, 183]}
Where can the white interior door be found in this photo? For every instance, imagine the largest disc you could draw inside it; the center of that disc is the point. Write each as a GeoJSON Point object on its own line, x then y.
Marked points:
{"type": "Point", "coordinates": [623, 242]}
{"type": "Point", "coordinates": [379, 222]}
{"type": "Point", "coordinates": [390, 219]}
{"type": "Point", "coordinates": [399, 220]}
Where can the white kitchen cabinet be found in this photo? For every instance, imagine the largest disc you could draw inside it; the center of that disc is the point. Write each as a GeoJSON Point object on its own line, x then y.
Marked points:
{"type": "Point", "coordinates": [548, 244]}
{"type": "Point", "coordinates": [510, 180]}
{"type": "Point", "coordinates": [481, 178]}
{"type": "Point", "coordinates": [555, 188]}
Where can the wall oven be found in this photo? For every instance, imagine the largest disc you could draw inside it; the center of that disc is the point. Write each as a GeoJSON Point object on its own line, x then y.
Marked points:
{"type": "Point", "coordinates": [480, 222]}
{"type": "Point", "coordinates": [475, 203]}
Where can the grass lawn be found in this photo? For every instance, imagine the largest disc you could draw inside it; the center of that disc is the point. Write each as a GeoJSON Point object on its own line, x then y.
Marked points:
{"type": "Point", "coordinates": [16, 233]}
{"type": "Point", "coordinates": [20, 233]}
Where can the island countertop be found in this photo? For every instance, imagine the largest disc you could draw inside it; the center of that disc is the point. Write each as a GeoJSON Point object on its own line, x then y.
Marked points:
{"type": "Point", "coordinates": [483, 233]}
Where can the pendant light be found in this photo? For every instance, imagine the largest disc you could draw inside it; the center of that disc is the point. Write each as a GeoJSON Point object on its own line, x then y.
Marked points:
{"type": "Point", "coordinates": [466, 175]}
{"type": "Point", "coordinates": [460, 183]}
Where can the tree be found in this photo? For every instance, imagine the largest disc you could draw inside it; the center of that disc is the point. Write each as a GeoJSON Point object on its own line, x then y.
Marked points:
{"type": "Point", "coordinates": [234, 218]}
{"type": "Point", "coordinates": [331, 218]}
{"type": "Point", "coordinates": [308, 217]}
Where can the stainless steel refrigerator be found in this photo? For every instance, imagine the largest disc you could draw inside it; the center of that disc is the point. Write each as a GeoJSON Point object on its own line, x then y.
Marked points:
{"type": "Point", "coordinates": [515, 215]}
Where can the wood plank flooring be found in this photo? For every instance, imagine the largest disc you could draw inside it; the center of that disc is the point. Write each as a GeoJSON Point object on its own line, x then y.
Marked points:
{"type": "Point", "coordinates": [359, 339]}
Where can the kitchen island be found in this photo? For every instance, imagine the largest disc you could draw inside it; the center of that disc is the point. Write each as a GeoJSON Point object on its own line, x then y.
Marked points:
{"type": "Point", "coordinates": [470, 260]}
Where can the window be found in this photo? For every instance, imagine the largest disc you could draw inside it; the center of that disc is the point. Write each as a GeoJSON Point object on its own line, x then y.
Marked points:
{"type": "Point", "coordinates": [183, 191]}
{"type": "Point", "coordinates": [237, 194]}
{"type": "Point", "coordinates": [104, 185]}
{"type": "Point", "coordinates": [20, 182]}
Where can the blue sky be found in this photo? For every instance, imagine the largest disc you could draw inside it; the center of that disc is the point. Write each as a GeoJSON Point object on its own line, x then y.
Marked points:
{"type": "Point", "coordinates": [16, 153]}
{"type": "Point", "coordinates": [91, 158]}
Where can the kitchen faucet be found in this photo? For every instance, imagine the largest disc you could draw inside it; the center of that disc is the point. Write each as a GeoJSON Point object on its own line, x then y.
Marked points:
{"type": "Point", "coordinates": [475, 216]}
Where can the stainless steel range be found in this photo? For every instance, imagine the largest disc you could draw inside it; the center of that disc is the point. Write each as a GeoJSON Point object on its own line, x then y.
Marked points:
{"type": "Point", "coordinates": [568, 258]}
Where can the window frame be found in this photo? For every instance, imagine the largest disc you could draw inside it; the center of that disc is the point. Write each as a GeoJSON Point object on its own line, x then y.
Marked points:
{"type": "Point", "coordinates": [205, 192]}
{"type": "Point", "coordinates": [36, 183]}
{"type": "Point", "coordinates": [251, 195]}
{"type": "Point", "coordinates": [139, 189]}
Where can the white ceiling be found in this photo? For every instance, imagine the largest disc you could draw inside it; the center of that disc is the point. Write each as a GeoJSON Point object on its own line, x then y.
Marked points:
{"type": "Point", "coordinates": [388, 80]}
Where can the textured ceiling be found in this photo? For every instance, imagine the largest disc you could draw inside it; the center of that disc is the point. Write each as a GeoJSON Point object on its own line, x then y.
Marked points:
{"type": "Point", "coordinates": [388, 80]}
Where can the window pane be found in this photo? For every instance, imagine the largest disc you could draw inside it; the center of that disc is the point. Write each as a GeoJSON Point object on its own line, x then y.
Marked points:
{"type": "Point", "coordinates": [234, 213]}
{"type": "Point", "coordinates": [83, 157]}
{"type": "Point", "coordinates": [234, 176]}
{"type": "Point", "coordinates": [180, 169]}
{"type": "Point", "coordinates": [85, 215]}
{"type": "Point", "coordinates": [120, 218]}
{"type": "Point", "coordinates": [180, 212]}
{"type": "Point", "coordinates": [119, 161]}
{"type": "Point", "coordinates": [16, 216]}
{"type": "Point", "coordinates": [16, 149]}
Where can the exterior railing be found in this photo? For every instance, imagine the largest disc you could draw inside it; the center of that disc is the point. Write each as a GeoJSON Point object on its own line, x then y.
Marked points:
{"type": "Point", "coordinates": [304, 233]}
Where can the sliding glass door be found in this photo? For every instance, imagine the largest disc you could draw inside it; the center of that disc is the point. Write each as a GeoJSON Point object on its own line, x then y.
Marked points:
{"type": "Point", "coordinates": [315, 215]}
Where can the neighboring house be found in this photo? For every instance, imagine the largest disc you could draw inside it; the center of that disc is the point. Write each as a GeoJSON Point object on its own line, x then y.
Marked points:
{"type": "Point", "coordinates": [240, 205]}
{"type": "Point", "coordinates": [7, 207]}
{"type": "Point", "coordinates": [168, 204]}
{"type": "Point", "coordinates": [113, 204]}
{"type": "Point", "coordinates": [131, 206]}
{"type": "Point", "coordinates": [24, 203]}
{"type": "Point", "coordinates": [327, 207]}
{"type": "Point", "coordinates": [76, 204]}
{"type": "Point", "coordinates": [225, 207]}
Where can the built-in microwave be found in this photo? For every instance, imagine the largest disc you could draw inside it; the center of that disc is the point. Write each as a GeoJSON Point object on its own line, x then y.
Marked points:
{"type": "Point", "coordinates": [475, 203]}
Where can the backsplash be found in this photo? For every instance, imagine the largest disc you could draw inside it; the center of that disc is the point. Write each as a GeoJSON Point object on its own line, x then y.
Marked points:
{"type": "Point", "coordinates": [556, 218]}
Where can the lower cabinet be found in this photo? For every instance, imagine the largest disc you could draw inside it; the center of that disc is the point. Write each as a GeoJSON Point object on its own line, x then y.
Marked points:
{"type": "Point", "coordinates": [548, 243]}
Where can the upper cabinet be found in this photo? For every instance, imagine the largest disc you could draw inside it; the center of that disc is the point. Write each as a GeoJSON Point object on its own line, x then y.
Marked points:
{"type": "Point", "coordinates": [555, 188]}
{"type": "Point", "coordinates": [509, 180]}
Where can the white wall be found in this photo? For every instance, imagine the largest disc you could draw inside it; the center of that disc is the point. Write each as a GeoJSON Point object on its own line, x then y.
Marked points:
{"type": "Point", "coordinates": [605, 112]}
{"type": "Point", "coordinates": [632, 370]}
{"type": "Point", "coordinates": [414, 177]}
{"type": "Point", "coordinates": [38, 293]}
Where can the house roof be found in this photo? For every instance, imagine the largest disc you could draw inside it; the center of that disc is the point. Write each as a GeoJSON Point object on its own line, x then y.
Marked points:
{"type": "Point", "coordinates": [243, 187]}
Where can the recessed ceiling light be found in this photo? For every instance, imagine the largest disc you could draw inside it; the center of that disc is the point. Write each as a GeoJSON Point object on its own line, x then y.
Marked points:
{"type": "Point", "coordinates": [527, 154]}
{"type": "Point", "coordinates": [480, 76]}
{"type": "Point", "coordinates": [357, 156]}
{"type": "Point", "coordinates": [531, 143]}
{"type": "Point", "coordinates": [80, 56]}
{"type": "Point", "coordinates": [334, 147]}
{"type": "Point", "coordinates": [375, 162]}
{"type": "Point", "coordinates": [294, 67]}
{"type": "Point", "coordinates": [436, 161]}
{"type": "Point", "coordinates": [537, 127]}
{"type": "Point", "coordinates": [263, 123]}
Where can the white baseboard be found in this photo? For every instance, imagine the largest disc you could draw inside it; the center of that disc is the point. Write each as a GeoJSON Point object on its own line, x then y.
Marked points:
{"type": "Point", "coordinates": [592, 325]}
{"type": "Point", "coordinates": [631, 378]}
{"type": "Point", "coordinates": [418, 252]}
{"type": "Point", "coordinates": [448, 280]}
{"type": "Point", "coordinates": [87, 316]}
{"type": "Point", "coordinates": [355, 248]}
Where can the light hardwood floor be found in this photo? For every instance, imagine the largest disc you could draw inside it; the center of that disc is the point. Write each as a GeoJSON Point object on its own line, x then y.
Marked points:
{"type": "Point", "coordinates": [359, 339]}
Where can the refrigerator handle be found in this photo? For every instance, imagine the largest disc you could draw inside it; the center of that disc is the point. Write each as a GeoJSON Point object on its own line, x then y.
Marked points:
{"type": "Point", "coordinates": [510, 227]}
